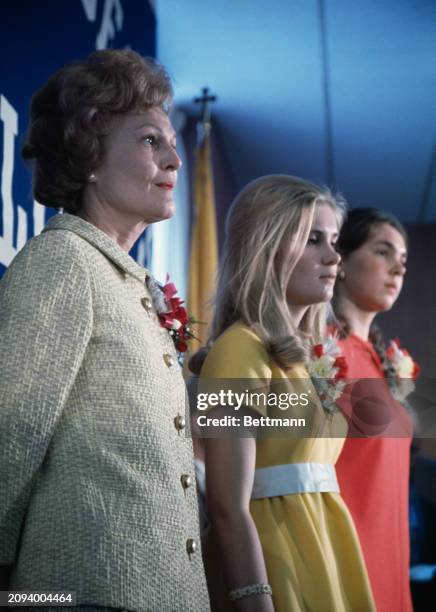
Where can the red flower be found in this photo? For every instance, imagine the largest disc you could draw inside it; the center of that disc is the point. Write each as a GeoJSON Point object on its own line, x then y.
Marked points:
{"type": "Point", "coordinates": [180, 331]}
{"type": "Point", "coordinates": [318, 350]}
{"type": "Point", "coordinates": [390, 354]}
{"type": "Point", "coordinates": [390, 351]}
{"type": "Point", "coordinates": [167, 320]}
{"type": "Point", "coordinates": [181, 346]}
{"type": "Point", "coordinates": [181, 315]}
{"type": "Point", "coordinates": [341, 364]}
{"type": "Point", "coordinates": [169, 290]}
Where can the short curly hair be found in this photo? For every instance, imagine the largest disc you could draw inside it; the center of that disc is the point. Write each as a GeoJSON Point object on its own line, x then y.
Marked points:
{"type": "Point", "coordinates": [72, 113]}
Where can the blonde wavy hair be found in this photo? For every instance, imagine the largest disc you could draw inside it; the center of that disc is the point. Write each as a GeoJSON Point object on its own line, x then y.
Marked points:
{"type": "Point", "coordinates": [268, 224]}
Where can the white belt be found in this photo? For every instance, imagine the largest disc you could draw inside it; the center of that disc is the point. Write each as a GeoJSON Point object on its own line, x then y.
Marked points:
{"type": "Point", "coordinates": [294, 478]}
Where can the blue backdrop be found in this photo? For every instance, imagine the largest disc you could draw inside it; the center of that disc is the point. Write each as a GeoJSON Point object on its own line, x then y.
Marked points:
{"type": "Point", "coordinates": [38, 37]}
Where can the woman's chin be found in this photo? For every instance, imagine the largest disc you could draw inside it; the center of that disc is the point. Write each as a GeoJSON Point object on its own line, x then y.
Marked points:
{"type": "Point", "coordinates": [327, 295]}
{"type": "Point", "coordinates": [383, 305]}
{"type": "Point", "coordinates": [168, 213]}
{"type": "Point", "coordinates": [162, 215]}
{"type": "Point", "coordinates": [170, 209]}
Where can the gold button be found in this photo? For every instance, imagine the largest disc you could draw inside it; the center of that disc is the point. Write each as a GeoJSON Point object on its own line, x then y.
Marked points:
{"type": "Point", "coordinates": [146, 302]}
{"type": "Point", "coordinates": [191, 546]}
{"type": "Point", "coordinates": [169, 359]}
{"type": "Point", "coordinates": [186, 481]}
{"type": "Point", "coordinates": [179, 422]}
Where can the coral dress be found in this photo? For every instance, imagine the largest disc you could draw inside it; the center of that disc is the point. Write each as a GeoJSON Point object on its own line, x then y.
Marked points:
{"type": "Point", "coordinates": [373, 475]}
{"type": "Point", "coordinates": [310, 545]}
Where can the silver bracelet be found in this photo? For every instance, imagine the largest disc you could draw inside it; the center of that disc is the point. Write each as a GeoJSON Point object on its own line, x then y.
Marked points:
{"type": "Point", "coordinates": [252, 589]}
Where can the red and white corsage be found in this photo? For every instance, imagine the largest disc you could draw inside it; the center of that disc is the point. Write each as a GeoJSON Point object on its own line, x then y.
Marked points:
{"type": "Point", "coordinates": [401, 361]}
{"type": "Point", "coordinates": [400, 369]}
{"type": "Point", "coordinates": [172, 315]}
{"type": "Point", "coordinates": [328, 369]}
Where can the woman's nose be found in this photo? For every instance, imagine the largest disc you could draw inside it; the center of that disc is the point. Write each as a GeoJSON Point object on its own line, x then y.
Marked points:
{"type": "Point", "coordinates": [331, 256]}
{"type": "Point", "coordinates": [399, 267]}
{"type": "Point", "coordinates": [171, 159]}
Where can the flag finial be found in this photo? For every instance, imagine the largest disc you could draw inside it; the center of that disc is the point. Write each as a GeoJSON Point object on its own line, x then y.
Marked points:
{"type": "Point", "coordinates": [204, 100]}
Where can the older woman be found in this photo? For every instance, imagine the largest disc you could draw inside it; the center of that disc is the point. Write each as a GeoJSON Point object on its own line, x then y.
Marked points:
{"type": "Point", "coordinates": [96, 471]}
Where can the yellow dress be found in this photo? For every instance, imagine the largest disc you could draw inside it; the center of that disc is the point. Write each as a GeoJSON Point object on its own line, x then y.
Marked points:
{"type": "Point", "coordinates": [310, 545]}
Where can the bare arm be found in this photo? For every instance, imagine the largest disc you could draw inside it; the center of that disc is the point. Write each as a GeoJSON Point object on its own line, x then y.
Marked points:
{"type": "Point", "coordinates": [230, 464]}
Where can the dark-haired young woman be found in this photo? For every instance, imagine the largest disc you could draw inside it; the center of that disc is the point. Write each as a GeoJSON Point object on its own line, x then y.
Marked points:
{"type": "Point", "coordinates": [373, 471]}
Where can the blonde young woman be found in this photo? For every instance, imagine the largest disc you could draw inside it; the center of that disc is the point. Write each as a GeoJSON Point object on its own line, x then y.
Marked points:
{"type": "Point", "coordinates": [281, 537]}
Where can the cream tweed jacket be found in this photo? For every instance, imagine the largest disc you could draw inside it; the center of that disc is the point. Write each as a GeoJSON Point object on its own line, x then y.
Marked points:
{"type": "Point", "coordinates": [96, 470]}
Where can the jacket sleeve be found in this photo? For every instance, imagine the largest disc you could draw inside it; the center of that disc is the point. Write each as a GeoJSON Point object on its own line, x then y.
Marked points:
{"type": "Point", "coordinates": [45, 326]}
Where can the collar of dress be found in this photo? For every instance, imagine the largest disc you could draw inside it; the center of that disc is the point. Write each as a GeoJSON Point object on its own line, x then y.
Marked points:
{"type": "Point", "coordinates": [99, 240]}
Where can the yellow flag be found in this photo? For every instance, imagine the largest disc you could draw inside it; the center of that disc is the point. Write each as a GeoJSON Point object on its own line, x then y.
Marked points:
{"type": "Point", "coordinates": [203, 263]}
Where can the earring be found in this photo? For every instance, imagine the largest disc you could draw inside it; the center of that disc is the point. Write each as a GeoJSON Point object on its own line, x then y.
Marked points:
{"type": "Point", "coordinates": [92, 178]}
{"type": "Point", "coordinates": [341, 274]}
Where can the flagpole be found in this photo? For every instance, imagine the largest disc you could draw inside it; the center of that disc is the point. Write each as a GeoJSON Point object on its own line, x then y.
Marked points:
{"type": "Point", "coordinates": [203, 263]}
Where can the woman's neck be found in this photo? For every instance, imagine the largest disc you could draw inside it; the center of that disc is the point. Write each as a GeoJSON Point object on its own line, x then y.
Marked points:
{"type": "Point", "coordinates": [125, 234]}
{"type": "Point", "coordinates": [297, 313]}
{"type": "Point", "coordinates": [358, 320]}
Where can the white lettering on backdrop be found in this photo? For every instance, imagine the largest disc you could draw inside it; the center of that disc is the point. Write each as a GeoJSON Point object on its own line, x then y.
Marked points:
{"type": "Point", "coordinates": [111, 21]}
{"type": "Point", "coordinates": [9, 118]}
{"type": "Point", "coordinates": [112, 18]}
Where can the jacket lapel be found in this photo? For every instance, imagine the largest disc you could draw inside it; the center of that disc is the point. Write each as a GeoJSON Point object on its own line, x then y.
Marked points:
{"type": "Point", "coordinates": [100, 241]}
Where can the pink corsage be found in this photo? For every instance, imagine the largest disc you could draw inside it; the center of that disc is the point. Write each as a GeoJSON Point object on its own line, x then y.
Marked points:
{"type": "Point", "coordinates": [328, 369]}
